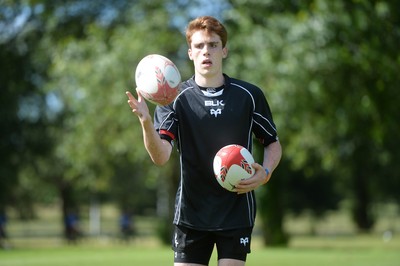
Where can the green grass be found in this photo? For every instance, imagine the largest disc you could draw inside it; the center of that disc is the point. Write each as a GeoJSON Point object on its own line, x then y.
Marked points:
{"type": "Point", "coordinates": [366, 250]}
{"type": "Point", "coordinates": [86, 256]}
{"type": "Point", "coordinates": [39, 243]}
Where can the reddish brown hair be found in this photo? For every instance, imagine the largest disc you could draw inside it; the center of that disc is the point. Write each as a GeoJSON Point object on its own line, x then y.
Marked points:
{"type": "Point", "coordinates": [210, 25]}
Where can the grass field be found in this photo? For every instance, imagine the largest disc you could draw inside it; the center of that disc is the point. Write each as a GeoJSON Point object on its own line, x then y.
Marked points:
{"type": "Point", "coordinates": [365, 250]}
{"type": "Point", "coordinates": [335, 243]}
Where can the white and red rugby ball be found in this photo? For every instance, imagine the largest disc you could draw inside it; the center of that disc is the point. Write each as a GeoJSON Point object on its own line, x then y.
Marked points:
{"type": "Point", "coordinates": [232, 164]}
{"type": "Point", "coordinates": [157, 79]}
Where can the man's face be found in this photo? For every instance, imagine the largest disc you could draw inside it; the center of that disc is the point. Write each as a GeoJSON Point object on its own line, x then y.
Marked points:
{"type": "Point", "coordinates": [207, 53]}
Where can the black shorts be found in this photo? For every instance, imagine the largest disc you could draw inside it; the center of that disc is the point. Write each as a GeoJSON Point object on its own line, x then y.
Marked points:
{"type": "Point", "coordinates": [192, 246]}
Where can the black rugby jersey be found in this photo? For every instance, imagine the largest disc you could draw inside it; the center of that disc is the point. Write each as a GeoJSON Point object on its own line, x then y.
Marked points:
{"type": "Point", "coordinates": [201, 124]}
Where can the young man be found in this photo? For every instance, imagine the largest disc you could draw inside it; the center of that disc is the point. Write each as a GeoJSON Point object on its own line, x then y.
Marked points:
{"type": "Point", "coordinates": [211, 111]}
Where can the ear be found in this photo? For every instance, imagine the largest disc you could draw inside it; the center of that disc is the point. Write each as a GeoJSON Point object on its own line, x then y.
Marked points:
{"type": "Point", "coordinates": [190, 54]}
{"type": "Point", "coordinates": [224, 52]}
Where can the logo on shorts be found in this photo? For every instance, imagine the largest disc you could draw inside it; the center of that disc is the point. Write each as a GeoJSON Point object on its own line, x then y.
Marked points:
{"type": "Point", "coordinates": [179, 255]}
{"type": "Point", "coordinates": [244, 241]}
{"type": "Point", "coordinates": [176, 240]}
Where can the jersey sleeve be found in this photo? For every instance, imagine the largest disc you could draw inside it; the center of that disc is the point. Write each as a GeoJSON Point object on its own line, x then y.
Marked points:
{"type": "Point", "coordinates": [165, 122]}
{"type": "Point", "coordinates": [263, 124]}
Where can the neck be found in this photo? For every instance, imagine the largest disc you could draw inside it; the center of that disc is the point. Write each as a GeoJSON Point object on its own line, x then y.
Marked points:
{"type": "Point", "coordinates": [210, 82]}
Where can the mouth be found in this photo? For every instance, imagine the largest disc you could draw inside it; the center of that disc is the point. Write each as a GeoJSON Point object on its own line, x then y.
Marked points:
{"type": "Point", "coordinates": [206, 62]}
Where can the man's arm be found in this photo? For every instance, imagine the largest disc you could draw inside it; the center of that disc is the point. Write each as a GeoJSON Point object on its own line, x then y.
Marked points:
{"type": "Point", "coordinates": [158, 149]}
{"type": "Point", "coordinates": [272, 156]}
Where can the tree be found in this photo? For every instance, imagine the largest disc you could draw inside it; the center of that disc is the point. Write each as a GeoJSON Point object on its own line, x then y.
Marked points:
{"type": "Point", "coordinates": [60, 58]}
{"type": "Point", "coordinates": [90, 77]}
{"type": "Point", "coordinates": [23, 107]}
{"type": "Point", "coordinates": [329, 67]}
{"type": "Point", "coordinates": [366, 65]}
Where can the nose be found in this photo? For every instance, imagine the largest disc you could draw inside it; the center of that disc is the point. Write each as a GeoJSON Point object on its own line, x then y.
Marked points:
{"type": "Point", "coordinates": [205, 50]}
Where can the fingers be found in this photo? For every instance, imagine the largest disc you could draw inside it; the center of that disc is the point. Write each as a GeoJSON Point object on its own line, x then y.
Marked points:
{"type": "Point", "coordinates": [133, 103]}
{"type": "Point", "coordinates": [247, 185]}
{"type": "Point", "coordinates": [139, 94]}
{"type": "Point", "coordinates": [253, 182]}
{"type": "Point", "coordinates": [130, 96]}
{"type": "Point", "coordinates": [138, 105]}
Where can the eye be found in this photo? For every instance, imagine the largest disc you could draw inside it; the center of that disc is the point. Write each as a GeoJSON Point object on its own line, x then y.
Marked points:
{"type": "Point", "coordinates": [199, 46]}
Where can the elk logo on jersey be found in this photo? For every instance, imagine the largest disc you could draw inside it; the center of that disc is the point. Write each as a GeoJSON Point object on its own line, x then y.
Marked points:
{"type": "Point", "coordinates": [215, 103]}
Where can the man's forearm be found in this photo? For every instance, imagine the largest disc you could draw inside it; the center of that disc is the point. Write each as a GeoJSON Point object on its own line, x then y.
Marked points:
{"type": "Point", "coordinates": [158, 149]}
{"type": "Point", "coordinates": [272, 156]}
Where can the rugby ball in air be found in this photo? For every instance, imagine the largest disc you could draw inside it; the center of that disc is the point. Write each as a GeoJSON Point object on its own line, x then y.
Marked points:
{"type": "Point", "coordinates": [232, 164]}
{"type": "Point", "coordinates": [157, 79]}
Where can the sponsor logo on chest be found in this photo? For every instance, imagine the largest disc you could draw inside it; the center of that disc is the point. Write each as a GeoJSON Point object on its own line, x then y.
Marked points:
{"type": "Point", "coordinates": [217, 106]}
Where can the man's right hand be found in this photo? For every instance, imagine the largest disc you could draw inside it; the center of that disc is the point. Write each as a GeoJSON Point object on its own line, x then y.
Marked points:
{"type": "Point", "coordinates": [139, 106]}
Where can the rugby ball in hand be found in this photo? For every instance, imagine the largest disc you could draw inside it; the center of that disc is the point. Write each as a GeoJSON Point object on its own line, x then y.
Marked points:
{"type": "Point", "coordinates": [157, 79]}
{"type": "Point", "coordinates": [232, 164]}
